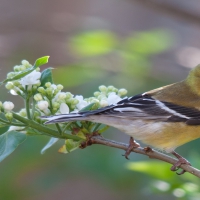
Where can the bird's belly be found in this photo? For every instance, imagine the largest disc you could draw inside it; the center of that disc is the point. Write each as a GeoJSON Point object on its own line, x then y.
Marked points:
{"type": "Point", "coordinates": [161, 135]}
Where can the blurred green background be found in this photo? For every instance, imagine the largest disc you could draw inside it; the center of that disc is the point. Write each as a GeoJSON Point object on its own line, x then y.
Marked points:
{"type": "Point", "coordinates": [137, 45]}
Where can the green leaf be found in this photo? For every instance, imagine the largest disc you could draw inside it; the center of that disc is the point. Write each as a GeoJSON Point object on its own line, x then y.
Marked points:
{"type": "Point", "coordinates": [41, 61]}
{"type": "Point", "coordinates": [9, 142]}
{"type": "Point", "coordinates": [19, 75]}
{"type": "Point", "coordinates": [71, 145]}
{"type": "Point", "coordinates": [93, 43]}
{"type": "Point", "coordinates": [46, 76]}
{"type": "Point", "coordinates": [38, 62]}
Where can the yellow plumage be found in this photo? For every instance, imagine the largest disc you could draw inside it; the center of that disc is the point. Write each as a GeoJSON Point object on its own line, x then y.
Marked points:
{"type": "Point", "coordinates": [164, 118]}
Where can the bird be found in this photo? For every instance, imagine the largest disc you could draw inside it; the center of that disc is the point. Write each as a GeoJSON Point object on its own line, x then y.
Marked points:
{"type": "Point", "coordinates": [164, 118]}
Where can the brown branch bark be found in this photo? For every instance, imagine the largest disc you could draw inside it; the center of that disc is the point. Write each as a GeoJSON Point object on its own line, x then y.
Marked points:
{"type": "Point", "coordinates": [171, 11]}
{"type": "Point", "coordinates": [151, 154]}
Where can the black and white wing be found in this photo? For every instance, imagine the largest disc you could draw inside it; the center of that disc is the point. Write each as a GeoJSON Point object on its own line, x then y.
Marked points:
{"type": "Point", "coordinates": [138, 107]}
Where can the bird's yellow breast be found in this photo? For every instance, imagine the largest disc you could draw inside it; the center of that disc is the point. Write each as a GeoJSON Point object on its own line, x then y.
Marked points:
{"type": "Point", "coordinates": [161, 135]}
{"type": "Point", "coordinates": [164, 135]}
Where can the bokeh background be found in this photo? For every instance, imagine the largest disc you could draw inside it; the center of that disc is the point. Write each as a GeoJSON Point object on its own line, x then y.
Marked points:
{"type": "Point", "coordinates": [134, 44]}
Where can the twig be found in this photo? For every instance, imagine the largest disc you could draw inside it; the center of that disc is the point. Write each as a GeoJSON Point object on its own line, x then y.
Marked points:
{"type": "Point", "coordinates": [152, 154]}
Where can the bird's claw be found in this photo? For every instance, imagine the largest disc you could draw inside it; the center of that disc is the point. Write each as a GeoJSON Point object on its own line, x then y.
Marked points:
{"type": "Point", "coordinates": [132, 144]}
{"type": "Point", "coordinates": [180, 161]}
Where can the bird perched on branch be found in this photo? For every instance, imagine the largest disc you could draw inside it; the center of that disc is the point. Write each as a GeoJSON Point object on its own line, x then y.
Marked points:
{"type": "Point", "coordinates": [164, 118]}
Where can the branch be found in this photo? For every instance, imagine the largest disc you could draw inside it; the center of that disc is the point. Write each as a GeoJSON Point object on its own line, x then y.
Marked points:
{"type": "Point", "coordinates": [151, 154]}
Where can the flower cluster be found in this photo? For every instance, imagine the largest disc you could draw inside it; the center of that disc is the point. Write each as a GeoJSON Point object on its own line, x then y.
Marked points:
{"type": "Point", "coordinates": [32, 80]}
{"type": "Point", "coordinates": [42, 97]}
{"type": "Point", "coordinates": [51, 100]}
{"type": "Point", "coordinates": [109, 95]}
{"type": "Point", "coordinates": [48, 98]}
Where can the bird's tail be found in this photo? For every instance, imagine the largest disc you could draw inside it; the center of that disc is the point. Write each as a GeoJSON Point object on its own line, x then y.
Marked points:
{"type": "Point", "coordinates": [64, 118]}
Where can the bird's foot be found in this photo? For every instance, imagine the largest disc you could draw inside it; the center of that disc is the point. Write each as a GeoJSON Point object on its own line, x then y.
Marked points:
{"type": "Point", "coordinates": [132, 144]}
{"type": "Point", "coordinates": [180, 161]}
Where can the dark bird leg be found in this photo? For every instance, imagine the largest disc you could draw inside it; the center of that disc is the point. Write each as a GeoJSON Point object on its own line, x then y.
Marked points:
{"type": "Point", "coordinates": [180, 161]}
{"type": "Point", "coordinates": [132, 144]}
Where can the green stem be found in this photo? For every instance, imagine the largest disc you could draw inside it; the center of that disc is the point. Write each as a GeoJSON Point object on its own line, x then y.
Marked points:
{"type": "Point", "coordinates": [57, 125]}
{"type": "Point", "coordinates": [65, 128]}
{"type": "Point", "coordinates": [44, 129]}
{"type": "Point", "coordinates": [33, 108]}
{"type": "Point", "coordinates": [28, 107]}
{"type": "Point", "coordinates": [11, 123]}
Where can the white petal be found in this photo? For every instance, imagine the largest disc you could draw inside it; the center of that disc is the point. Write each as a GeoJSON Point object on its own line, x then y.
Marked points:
{"type": "Point", "coordinates": [13, 92]}
{"type": "Point", "coordinates": [43, 105]}
{"type": "Point", "coordinates": [79, 97]}
{"type": "Point", "coordinates": [36, 75]}
{"type": "Point", "coordinates": [64, 109]}
{"type": "Point", "coordinates": [31, 78]}
{"type": "Point", "coordinates": [82, 104]}
{"type": "Point", "coordinates": [113, 98]}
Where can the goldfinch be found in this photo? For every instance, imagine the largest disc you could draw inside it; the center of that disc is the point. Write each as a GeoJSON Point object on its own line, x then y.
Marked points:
{"type": "Point", "coordinates": [164, 118]}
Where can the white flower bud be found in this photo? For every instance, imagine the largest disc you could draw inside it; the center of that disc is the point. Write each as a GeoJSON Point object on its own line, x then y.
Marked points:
{"type": "Point", "coordinates": [122, 92]}
{"type": "Point", "coordinates": [59, 87]}
{"type": "Point", "coordinates": [11, 74]}
{"type": "Point", "coordinates": [48, 84]}
{"type": "Point", "coordinates": [8, 105]}
{"type": "Point", "coordinates": [103, 103]}
{"type": "Point", "coordinates": [22, 112]}
{"type": "Point", "coordinates": [25, 62]}
{"type": "Point", "coordinates": [9, 116]}
{"type": "Point", "coordinates": [61, 95]}
{"type": "Point", "coordinates": [16, 68]}
{"type": "Point", "coordinates": [43, 105]}
{"type": "Point", "coordinates": [41, 90]}
{"type": "Point", "coordinates": [101, 96]}
{"type": "Point", "coordinates": [56, 105]}
{"type": "Point", "coordinates": [94, 100]}
{"type": "Point", "coordinates": [9, 86]}
{"type": "Point", "coordinates": [38, 97]}
{"type": "Point", "coordinates": [103, 88]}
{"type": "Point", "coordinates": [74, 101]}
{"type": "Point", "coordinates": [96, 94]}
{"type": "Point", "coordinates": [68, 95]}
{"type": "Point", "coordinates": [22, 67]}
{"type": "Point", "coordinates": [111, 88]}
{"type": "Point", "coordinates": [16, 83]}
{"type": "Point", "coordinates": [49, 91]}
